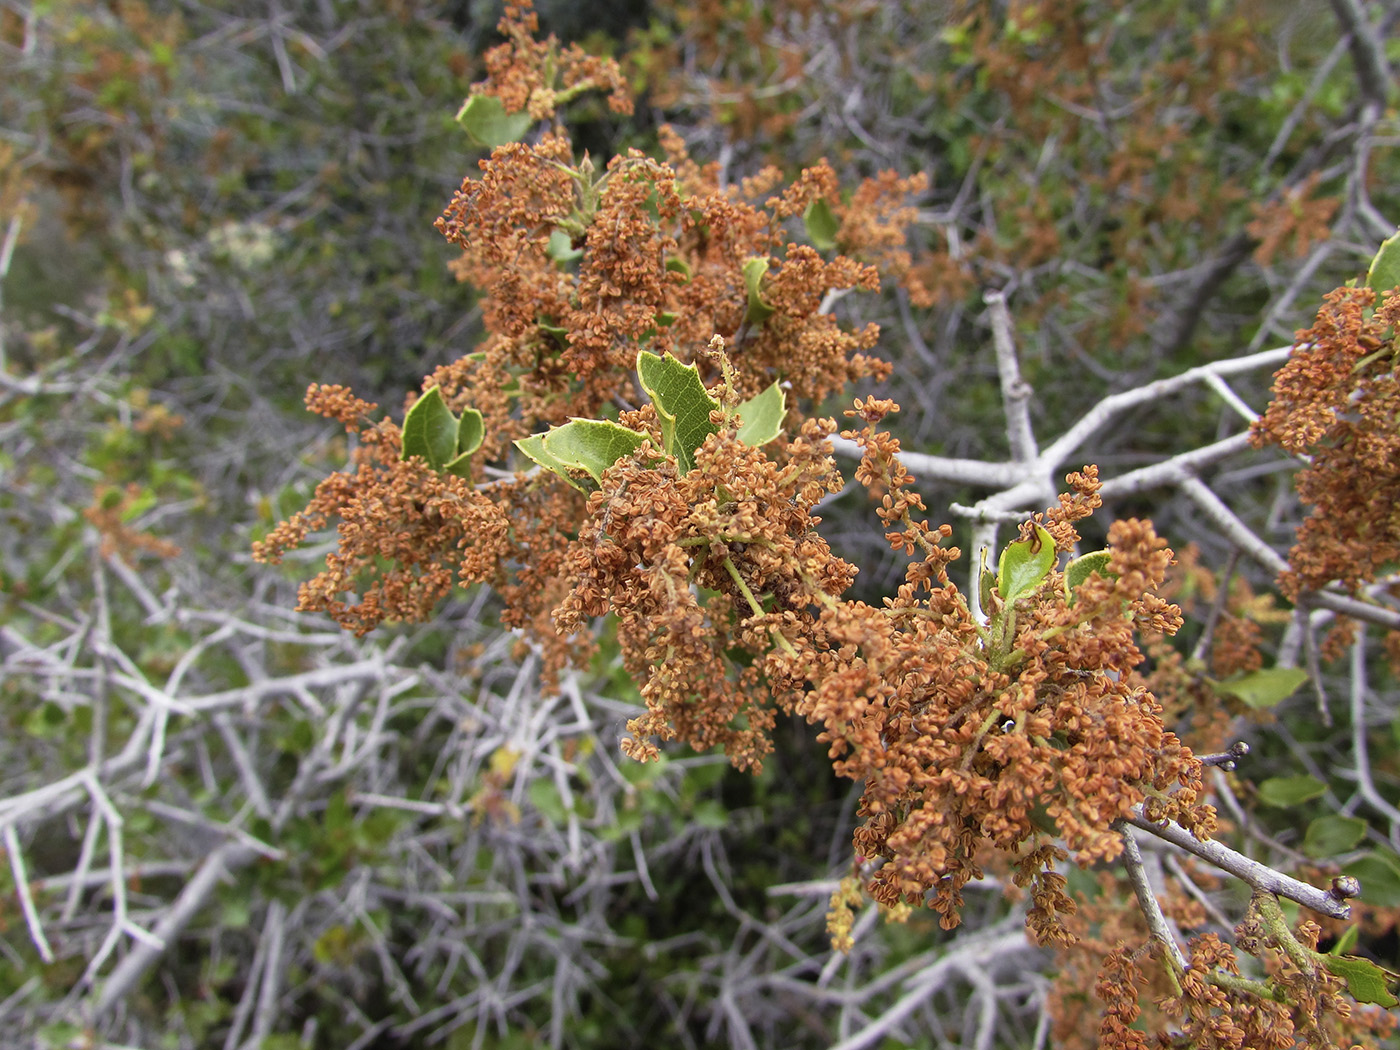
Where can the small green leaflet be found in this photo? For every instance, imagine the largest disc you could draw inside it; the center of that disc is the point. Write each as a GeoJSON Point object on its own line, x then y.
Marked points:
{"type": "Point", "coordinates": [431, 431]}
{"type": "Point", "coordinates": [589, 445]}
{"type": "Point", "coordinates": [761, 417]}
{"type": "Point", "coordinates": [1079, 570]}
{"type": "Point", "coordinates": [1264, 688]}
{"type": "Point", "coordinates": [485, 119]}
{"type": "Point", "coordinates": [1024, 564]}
{"type": "Point", "coordinates": [1367, 982]}
{"type": "Point", "coordinates": [821, 224]}
{"type": "Point", "coordinates": [683, 408]}
{"type": "Point", "coordinates": [758, 311]}
{"type": "Point", "coordinates": [1329, 836]}
{"type": "Point", "coordinates": [1384, 274]}
{"type": "Point", "coordinates": [683, 405]}
{"type": "Point", "coordinates": [533, 446]}
{"type": "Point", "coordinates": [1290, 791]}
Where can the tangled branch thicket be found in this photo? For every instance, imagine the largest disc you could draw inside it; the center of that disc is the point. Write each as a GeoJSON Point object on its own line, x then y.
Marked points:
{"type": "Point", "coordinates": [997, 735]}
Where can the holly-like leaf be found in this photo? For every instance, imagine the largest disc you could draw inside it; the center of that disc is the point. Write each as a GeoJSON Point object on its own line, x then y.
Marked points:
{"type": "Point", "coordinates": [485, 119]}
{"type": "Point", "coordinates": [1329, 836]}
{"type": "Point", "coordinates": [1290, 791]}
{"type": "Point", "coordinates": [758, 311]}
{"type": "Point", "coordinates": [430, 430]}
{"type": "Point", "coordinates": [1024, 564]}
{"type": "Point", "coordinates": [533, 446]}
{"type": "Point", "coordinates": [1265, 688]}
{"type": "Point", "coordinates": [1367, 982]}
{"type": "Point", "coordinates": [1079, 570]}
{"type": "Point", "coordinates": [761, 417]}
{"type": "Point", "coordinates": [1384, 274]}
{"type": "Point", "coordinates": [683, 405]}
{"type": "Point", "coordinates": [591, 445]}
{"type": "Point", "coordinates": [821, 224]}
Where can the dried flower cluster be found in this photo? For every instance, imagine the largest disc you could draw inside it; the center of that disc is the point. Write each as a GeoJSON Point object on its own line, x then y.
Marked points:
{"type": "Point", "coordinates": [1336, 402]}
{"type": "Point", "coordinates": [1022, 736]}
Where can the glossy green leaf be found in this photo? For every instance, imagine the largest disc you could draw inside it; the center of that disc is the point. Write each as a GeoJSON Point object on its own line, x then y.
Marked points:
{"type": "Point", "coordinates": [758, 311]}
{"type": "Point", "coordinates": [1024, 564]}
{"type": "Point", "coordinates": [822, 225]}
{"type": "Point", "coordinates": [1384, 274]}
{"type": "Point", "coordinates": [485, 119]}
{"type": "Point", "coordinates": [1367, 982]}
{"type": "Point", "coordinates": [1079, 570]}
{"type": "Point", "coordinates": [430, 430]}
{"type": "Point", "coordinates": [591, 445]}
{"type": "Point", "coordinates": [683, 405]}
{"type": "Point", "coordinates": [761, 417]}
{"type": "Point", "coordinates": [1264, 688]}
{"type": "Point", "coordinates": [1290, 791]}
{"type": "Point", "coordinates": [533, 446]}
{"type": "Point", "coordinates": [678, 265]}
{"type": "Point", "coordinates": [1379, 874]}
{"type": "Point", "coordinates": [1329, 836]}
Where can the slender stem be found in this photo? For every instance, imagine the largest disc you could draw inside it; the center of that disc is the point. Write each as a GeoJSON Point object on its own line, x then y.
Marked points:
{"type": "Point", "coordinates": [778, 635]}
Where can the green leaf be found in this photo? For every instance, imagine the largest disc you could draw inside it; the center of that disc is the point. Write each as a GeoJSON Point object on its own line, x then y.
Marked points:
{"type": "Point", "coordinates": [1329, 836]}
{"type": "Point", "coordinates": [485, 119]}
{"type": "Point", "coordinates": [758, 311]}
{"type": "Point", "coordinates": [430, 430]}
{"type": "Point", "coordinates": [822, 226]}
{"type": "Point", "coordinates": [1347, 941]}
{"type": "Point", "coordinates": [1290, 791]}
{"type": "Point", "coordinates": [1081, 568]}
{"type": "Point", "coordinates": [1367, 982]}
{"type": "Point", "coordinates": [683, 405]}
{"type": "Point", "coordinates": [1024, 564]}
{"type": "Point", "coordinates": [1263, 688]}
{"type": "Point", "coordinates": [761, 417]}
{"type": "Point", "coordinates": [1379, 874]}
{"type": "Point", "coordinates": [533, 446]}
{"type": "Point", "coordinates": [678, 265]}
{"type": "Point", "coordinates": [470, 432]}
{"type": "Point", "coordinates": [545, 797]}
{"type": "Point", "coordinates": [591, 445]}
{"type": "Point", "coordinates": [560, 247]}
{"type": "Point", "coordinates": [1384, 274]}
{"type": "Point", "coordinates": [711, 814]}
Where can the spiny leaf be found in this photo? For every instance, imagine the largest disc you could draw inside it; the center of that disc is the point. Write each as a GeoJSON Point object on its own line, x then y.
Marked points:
{"type": "Point", "coordinates": [821, 224]}
{"type": "Point", "coordinates": [485, 119]}
{"type": "Point", "coordinates": [1367, 982]}
{"type": "Point", "coordinates": [1263, 688]}
{"type": "Point", "coordinates": [758, 311]}
{"type": "Point", "coordinates": [591, 445]}
{"type": "Point", "coordinates": [1024, 564]}
{"type": "Point", "coordinates": [761, 417]}
{"type": "Point", "coordinates": [533, 446]}
{"type": "Point", "coordinates": [430, 430]}
{"type": "Point", "coordinates": [683, 405]}
{"type": "Point", "coordinates": [1384, 274]}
